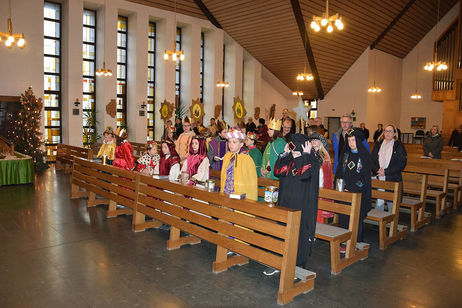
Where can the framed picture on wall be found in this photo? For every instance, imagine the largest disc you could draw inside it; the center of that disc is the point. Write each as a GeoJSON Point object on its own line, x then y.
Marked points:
{"type": "Point", "coordinates": [418, 122]}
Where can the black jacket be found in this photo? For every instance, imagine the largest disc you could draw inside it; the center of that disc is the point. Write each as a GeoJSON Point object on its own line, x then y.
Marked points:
{"type": "Point", "coordinates": [397, 162]}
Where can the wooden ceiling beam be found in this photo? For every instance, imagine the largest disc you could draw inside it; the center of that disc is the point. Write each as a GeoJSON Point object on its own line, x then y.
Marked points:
{"type": "Point", "coordinates": [306, 42]}
{"type": "Point", "coordinates": [208, 14]}
{"type": "Point", "coordinates": [394, 21]}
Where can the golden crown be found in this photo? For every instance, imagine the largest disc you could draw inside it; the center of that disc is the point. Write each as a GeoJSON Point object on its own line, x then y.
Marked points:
{"type": "Point", "coordinates": [275, 124]}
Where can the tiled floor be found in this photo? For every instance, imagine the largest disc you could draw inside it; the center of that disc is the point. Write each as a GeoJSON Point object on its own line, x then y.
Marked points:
{"type": "Point", "coordinates": [55, 253]}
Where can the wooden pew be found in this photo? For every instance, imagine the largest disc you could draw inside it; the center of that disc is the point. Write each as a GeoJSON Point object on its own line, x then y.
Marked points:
{"type": "Point", "coordinates": [117, 186]}
{"type": "Point", "coordinates": [334, 235]}
{"type": "Point", "coordinates": [414, 182]}
{"type": "Point", "coordinates": [138, 148]}
{"type": "Point", "coordinates": [383, 218]}
{"type": "Point", "coordinates": [438, 177]}
{"type": "Point", "coordinates": [251, 229]}
{"type": "Point", "coordinates": [66, 153]}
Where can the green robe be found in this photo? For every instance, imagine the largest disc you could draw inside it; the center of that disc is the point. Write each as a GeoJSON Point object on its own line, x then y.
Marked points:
{"type": "Point", "coordinates": [271, 154]}
{"type": "Point", "coordinates": [257, 157]}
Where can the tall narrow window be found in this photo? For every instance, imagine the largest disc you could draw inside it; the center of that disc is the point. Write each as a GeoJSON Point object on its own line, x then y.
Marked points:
{"type": "Point", "coordinates": [151, 79]}
{"type": "Point", "coordinates": [178, 70]}
{"type": "Point", "coordinates": [202, 67]}
{"type": "Point", "coordinates": [89, 81]}
{"type": "Point", "coordinates": [52, 77]}
{"type": "Point", "coordinates": [122, 71]}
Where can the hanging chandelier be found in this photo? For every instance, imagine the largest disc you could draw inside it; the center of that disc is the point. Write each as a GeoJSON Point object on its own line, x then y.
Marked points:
{"type": "Point", "coordinates": [174, 54]}
{"type": "Point", "coordinates": [304, 76]}
{"type": "Point", "coordinates": [222, 84]}
{"type": "Point", "coordinates": [416, 95]}
{"type": "Point", "coordinates": [103, 71]}
{"type": "Point", "coordinates": [374, 89]}
{"type": "Point", "coordinates": [439, 65]}
{"type": "Point", "coordinates": [327, 20]}
{"type": "Point", "coordinates": [10, 37]}
{"type": "Point", "coordinates": [297, 93]}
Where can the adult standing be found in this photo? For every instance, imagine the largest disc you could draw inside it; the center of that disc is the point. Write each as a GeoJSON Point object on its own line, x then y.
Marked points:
{"type": "Point", "coordinates": [263, 131]}
{"type": "Point", "coordinates": [178, 127]}
{"type": "Point", "coordinates": [338, 138]}
{"type": "Point", "coordinates": [287, 130]}
{"type": "Point", "coordinates": [286, 116]}
{"type": "Point", "coordinates": [389, 159]}
{"type": "Point", "coordinates": [250, 126]}
{"type": "Point", "coordinates": [365, 131]}
{"type": "Point", "coordinates": [456, 138]}
{"type": "Point", "coordinates": [433, 144]}
{"type": "Point", "coordinates": [378, 132]}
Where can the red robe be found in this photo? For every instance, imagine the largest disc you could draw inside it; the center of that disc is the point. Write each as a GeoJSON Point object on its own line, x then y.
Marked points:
{"type": "Point", "coordinates": [327, 183]}
{"type": "Point", "coordinates": [124, 156]}
{"type": "Point", "coordinates": [166, 163]}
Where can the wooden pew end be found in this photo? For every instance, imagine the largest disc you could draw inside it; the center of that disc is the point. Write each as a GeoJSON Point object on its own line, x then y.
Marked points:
{"type": "Point", "coordinates": [223, 266]}
{"type": "Point", "coordinates": [305, 285]}
{"type": "Point", "coordinates": [362, 250]}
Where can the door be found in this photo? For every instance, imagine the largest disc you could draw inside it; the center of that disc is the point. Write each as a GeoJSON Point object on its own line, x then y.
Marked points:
{"type": "Point", "coordinates": [333, 125]}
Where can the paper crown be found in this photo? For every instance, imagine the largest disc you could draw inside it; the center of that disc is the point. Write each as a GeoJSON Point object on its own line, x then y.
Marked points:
{"type": "Point", "coordinates": [275, 124]}
{"type": "Point", "coordinates": [109, 130]}
{"type": "Point", "coordinates": [171, 129]}
{"type": "Point", "coordinates": [151, 144]}
{"type": "Point", "coordinates": [252, 136]}
{"type": "Point", "coordinates": [120, 131]}
{"type": "Point", "coordinates": [235, 133]}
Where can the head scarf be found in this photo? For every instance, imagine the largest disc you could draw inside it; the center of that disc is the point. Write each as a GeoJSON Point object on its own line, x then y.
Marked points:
{"type": "Point", "coordinates": [171, 148]}
{"type": "Point", "coordinates": [195, 158]}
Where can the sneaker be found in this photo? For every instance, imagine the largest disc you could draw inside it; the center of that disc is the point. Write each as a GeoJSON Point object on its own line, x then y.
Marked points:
{"type": "Point", "coordinates": [230, 253]}
{"type": "Point", "coordinates": [270, 271]}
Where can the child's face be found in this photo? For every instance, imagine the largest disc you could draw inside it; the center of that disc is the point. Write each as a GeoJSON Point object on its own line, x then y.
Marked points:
{"type": "Point", "coordinates": [271, 133]}
{"type": "Point", "coordinates": [107, 138]}
{"type": "Point", "coordinates": [153, 151]}
{"type": "Point", "coordinates": [248, 142]}
{"type": "Point", "coordinates": [317, 144]}
{"type": "Point", "coordinates": [195, 145]}
{"type": "Point", "coordinates": [165, 149]}
{"type": "Point", "coordinates": [235, 145]}
{"type": "Point", "coordinates": [352, 143]}
{"type": "Point", "coordinates": [170, 134]}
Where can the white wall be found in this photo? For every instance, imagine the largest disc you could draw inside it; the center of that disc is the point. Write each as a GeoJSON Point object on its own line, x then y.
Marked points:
{"type": "Point", "coordinates": [418, 56]}
{"type": "Point", "coordinates": [349, 93]}
{"type": "Point", "coordinates": [22, 68]}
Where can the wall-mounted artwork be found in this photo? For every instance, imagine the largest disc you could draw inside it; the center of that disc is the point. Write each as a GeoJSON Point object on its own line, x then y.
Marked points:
{"type": "Point", "coordinates": [418, 122]}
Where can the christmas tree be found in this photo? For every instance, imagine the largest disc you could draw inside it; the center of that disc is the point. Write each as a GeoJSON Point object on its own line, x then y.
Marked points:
{"type": "Point", "coordinates": [26, 134]}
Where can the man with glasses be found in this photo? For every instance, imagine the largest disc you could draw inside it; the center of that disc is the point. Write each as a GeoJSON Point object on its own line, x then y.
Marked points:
{"type": "Point", "coordinates": [182, 144]}
{"type": "Point", "coordinates": [285, 116]}
{"type": "Point", "coordinates": [338, 138]}
{"type": "Point", "coordinates": [287, 130]}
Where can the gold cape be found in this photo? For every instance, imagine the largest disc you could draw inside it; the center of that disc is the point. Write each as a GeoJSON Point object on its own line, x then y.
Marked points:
{"type": "Point", "coordinates": [245, 175]}
{"type": "Point", "coordinates": [107, 149]}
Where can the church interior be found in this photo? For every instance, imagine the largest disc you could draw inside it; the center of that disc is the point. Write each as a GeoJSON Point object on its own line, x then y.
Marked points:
{"type": "Point", "coordinates": [211, 153]}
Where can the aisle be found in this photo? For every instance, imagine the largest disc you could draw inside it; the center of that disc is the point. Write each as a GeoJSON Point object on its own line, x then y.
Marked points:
{"type": "Point", "coordinates": [57, 254]}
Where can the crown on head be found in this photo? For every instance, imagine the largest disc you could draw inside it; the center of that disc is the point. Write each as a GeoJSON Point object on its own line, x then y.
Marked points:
{"type": "Point", "coordinates": [275, 124]}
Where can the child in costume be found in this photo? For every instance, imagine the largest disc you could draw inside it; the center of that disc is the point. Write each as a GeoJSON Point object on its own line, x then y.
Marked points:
{"type": "Point", "coordinates": [298, 172]}
{"type": "Point", "coordinates": [218, 146]}
{"type": "Point", "coordinates": [238, 174]}
{"type": "Point", "coordinates": [182, 144]}
{"type": "Point", "coordinates": [169, 163]}
{"type": "Point", "coordinates": [326, 176]}
{"type": "Point", "coordinates": [108, 147]}
{"type": "Point", "coordinates": [123, 152]}
{"type": "Point", "coordinates": [252, 150]}
{"type": "Point", "coordinates": [197, 164]}
{"type": "Point", "coordinates": [354, 168]}
{"type": "Point", "coordinates": [274, 147]}
{"type": "Point", "coordinates": [149, 162]}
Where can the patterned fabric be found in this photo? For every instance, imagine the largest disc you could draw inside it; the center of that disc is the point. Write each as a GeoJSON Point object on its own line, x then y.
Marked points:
{"type": "Point", "coordinates": [229, 183]}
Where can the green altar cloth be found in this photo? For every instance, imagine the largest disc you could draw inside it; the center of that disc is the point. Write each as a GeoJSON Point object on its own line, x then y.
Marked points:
{"type": "Point", "coordinates": [16, 170]}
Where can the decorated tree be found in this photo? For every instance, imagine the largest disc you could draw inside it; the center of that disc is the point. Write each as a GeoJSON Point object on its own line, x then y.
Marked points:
{"type": "Point", "coordinates": [26, 134]}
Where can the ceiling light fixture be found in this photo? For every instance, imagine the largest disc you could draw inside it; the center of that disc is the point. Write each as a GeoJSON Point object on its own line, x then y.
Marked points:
{"type": "Point", "coordinates": [222, 84]}
{"type": "Point", "coordinates": [174, 54]}
{"type": "Point", "coordinates": [374, 89]}
{"type": "Point", "coordinates": [327, 20]}
{"type": "Point", "coordinates": [439, 65]}
{"type": "Point", "coordinates": [304, 76]}
{"type": "Point", "coordinates": [297, 93]}
{"type": "Point", "coordinates": [104, 72]}
{"type": "Point", "coordinates": [9, 37]}
{"type": "Point", "coordinates": [416, 95]}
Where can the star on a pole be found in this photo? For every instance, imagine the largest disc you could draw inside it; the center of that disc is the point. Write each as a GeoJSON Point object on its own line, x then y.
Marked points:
{"type": "Point", "coordinates": [301, 110]}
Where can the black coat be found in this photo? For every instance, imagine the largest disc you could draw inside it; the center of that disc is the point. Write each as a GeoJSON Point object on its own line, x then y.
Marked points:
{"type": "Point", "coordinates": [397, 162]}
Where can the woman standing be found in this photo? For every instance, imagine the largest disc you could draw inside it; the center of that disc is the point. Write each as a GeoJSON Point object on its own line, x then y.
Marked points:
{"type": "Point", "coordinates": [354, 168]}
{"type": "Point", "coordinates": [389, 159]}
{"type": "Point", "coordinates": [274, 147]}
{"type": "Point", "coordinates": [320, 145]}
{"type": "Point", "coordinates": [433, 144]}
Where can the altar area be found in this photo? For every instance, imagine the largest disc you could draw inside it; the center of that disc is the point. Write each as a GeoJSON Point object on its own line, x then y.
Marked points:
{"type": "Point", "coordinates": [15, 168]}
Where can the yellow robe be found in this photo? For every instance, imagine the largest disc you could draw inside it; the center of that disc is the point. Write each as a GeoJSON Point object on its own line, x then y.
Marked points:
{"type": "Point", "coordinates": [245, 175]}
{"type": "Point", "coordinates": [107, 149]}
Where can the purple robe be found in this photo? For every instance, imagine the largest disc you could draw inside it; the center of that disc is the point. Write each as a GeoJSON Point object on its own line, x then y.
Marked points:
{"type": "Point", "coordinates": [218, 148]}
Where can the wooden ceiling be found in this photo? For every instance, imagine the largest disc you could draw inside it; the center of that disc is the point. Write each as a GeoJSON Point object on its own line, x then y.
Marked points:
{"type": "Point", "coordinates": [268, 30]}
